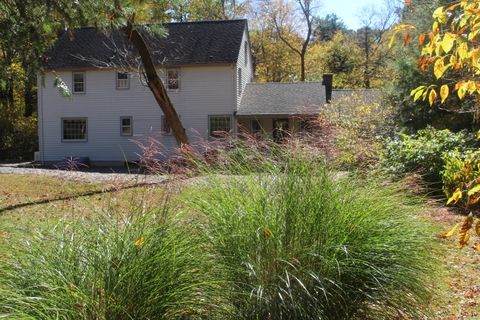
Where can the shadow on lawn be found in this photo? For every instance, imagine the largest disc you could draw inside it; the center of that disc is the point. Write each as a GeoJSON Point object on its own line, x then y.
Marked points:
{"type": "Point", "coordinates": [75, 196]}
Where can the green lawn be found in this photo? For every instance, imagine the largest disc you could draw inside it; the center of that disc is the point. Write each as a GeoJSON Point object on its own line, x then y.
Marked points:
{"type": "Point", "coordinates": [31, 201]}
{"type": "Point", "coordinates": [28, 202]}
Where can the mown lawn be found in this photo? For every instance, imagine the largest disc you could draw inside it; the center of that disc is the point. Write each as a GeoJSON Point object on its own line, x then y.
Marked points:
{"type": "Point", "coordinates": [29, 202]}
{"type": "Point", "coordinates": [32, 201]}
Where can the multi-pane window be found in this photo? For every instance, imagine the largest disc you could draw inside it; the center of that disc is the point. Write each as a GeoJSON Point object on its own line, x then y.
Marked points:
{"type": "Point", "coordinates": [173, 79]}
{"type": "Point", "coordinates": [123, 81]}
{"type": "Point", "coordinates": [256, 126]}
{"type": "Point", "coordinates": [79, 82]}
{"type": "Point", "coordinates": [166, 129]}
{"type": "Point", "coordinates": [239, 81]}
{"type": "Point", "coordinates": [219, 125]}
{"type": "Point", "coordinates": [126, 126]}
{"type": "Point", "coordinates": [74, 129]}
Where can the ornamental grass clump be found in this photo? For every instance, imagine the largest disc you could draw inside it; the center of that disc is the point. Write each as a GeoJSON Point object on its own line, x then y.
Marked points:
{"type": "Point", "coordinates": [112, 266]}
{"type": "Point", "coordinates": [300, 242]}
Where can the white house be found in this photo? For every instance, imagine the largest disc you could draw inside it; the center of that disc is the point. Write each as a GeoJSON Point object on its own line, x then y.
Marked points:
{"type": "Point", "coordinates": [207, 70]}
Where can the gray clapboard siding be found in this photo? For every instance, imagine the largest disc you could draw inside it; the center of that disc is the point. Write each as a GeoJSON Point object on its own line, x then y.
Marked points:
{"type": "Point", "coordinates": [205, 90]}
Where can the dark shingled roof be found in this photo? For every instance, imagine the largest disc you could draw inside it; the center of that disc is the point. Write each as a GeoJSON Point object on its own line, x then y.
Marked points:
{"type": "Point", "coordinates": [203, 42]}
{"type": "Point", "coordinates": [279, 98]}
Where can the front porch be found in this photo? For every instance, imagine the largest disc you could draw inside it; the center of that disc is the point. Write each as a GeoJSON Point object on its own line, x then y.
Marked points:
{"type": "Point", "coordinates": [274, 127]}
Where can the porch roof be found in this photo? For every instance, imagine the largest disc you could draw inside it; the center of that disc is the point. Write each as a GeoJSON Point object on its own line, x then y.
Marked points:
{"type": "Point", "coordinates": [280, 98]}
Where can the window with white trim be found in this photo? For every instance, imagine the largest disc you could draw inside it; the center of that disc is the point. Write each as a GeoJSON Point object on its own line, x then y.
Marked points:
{"type": "Point", "coordinates": [123, 80]}
{"type": "Point", "coordinates": [74, 129]}
{"type": "Point", "coordinates": [173, 79]}
{"type": "Point", "coordinates": [239, 81]}
{"type": "Point", "coordinates": [219, 125]}
{"type": "Point", "coordinates": [78, 79]}
{"type": "Point", "coordinates": [126, 126]}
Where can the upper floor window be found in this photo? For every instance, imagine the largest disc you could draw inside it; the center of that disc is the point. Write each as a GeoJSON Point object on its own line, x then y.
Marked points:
{"type": "Point", "coordinates": [78, 82]}
{"type": "Point", "coordinates": [123, 80]}
{"type": "Point", "coordinates": [173, 79]}
{"type": "Point", "coordinates": [126, 126]}
{"type": "Point", "coordinates": [74, 129]}
{"type": "Point", "coordinates": [219, 125]}
{"type": "Point", "coordinates": [239, 81]}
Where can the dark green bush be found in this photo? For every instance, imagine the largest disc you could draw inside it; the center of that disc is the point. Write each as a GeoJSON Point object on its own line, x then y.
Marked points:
{"type": "Point", "coordinates": [423, 152]}
{"type": "Point", "coordinates": [18, 137]}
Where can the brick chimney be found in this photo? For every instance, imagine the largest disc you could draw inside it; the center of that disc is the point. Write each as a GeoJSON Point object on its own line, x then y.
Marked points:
{"type": "Point", "coordinates": [328, 83]}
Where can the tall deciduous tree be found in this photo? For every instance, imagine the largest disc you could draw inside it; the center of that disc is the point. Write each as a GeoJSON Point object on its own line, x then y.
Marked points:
{"type": "Point", "coordinates": [273, 60]}
{"type": "Point", "coordinates": [289, 17]}
{"type": "Point", "coordinates": [372, 38]}
{"type": "Point", "coordinates": [451, 53]}
{"type": "Point", "coordinates": [413, 115]}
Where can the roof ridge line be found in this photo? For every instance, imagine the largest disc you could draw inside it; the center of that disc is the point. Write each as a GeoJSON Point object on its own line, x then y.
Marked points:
{"type": "Point", "coordinates": [174, 22]}
{"type": "Point", "coordinates": [264, 83]}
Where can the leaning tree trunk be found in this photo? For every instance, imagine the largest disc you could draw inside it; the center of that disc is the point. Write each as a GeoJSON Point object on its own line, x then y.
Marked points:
{"type": "Point", "coordinates": [156, 86]}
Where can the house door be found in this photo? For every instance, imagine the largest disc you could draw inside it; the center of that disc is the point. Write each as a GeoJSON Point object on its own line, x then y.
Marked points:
{"type": "Point", "coordinates": [280, 129]}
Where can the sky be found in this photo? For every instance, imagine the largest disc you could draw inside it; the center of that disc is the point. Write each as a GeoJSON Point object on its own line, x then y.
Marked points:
{"type": "Point", "coordinates": [348, 10]}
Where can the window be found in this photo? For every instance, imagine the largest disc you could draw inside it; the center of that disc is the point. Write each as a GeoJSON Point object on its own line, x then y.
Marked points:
{"type": "Point", "coordinates": [74, 129]}
{"type": "Point", "coordinates": [126, 127]}
{"type": "Point", "coordinates": [79, 82]}
{"type": "Point", "coordinates": [256, 126]}
{"type": "Point", "coordinates": [166, 129]}
{"type": "Point", "coordinates": [239, 81]}
{"type": "Point", "coordinates": [306, 125]}
{"type": "Point", "coordinates": [123, 80]}
{"type": "Point", "coordinates": [219, 125]}
{"type": "Point", "coordinates": [173, 79]}
{"type": "Point", "coordinates": [245, 46]}
{"type": "Point", "coordinates": [280, 129]}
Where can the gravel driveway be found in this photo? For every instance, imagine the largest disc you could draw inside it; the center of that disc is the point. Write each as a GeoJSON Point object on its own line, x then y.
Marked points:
{"type": "Point", "coordinates": [100, 175]}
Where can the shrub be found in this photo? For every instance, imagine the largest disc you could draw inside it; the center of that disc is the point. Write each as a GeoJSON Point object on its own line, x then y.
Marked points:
{"type": "Point", "coordinates": [18, 137]}
{"type": "Point", "coordinates": [300, 242]}
{"type": "Point", "coordinates": [461, 177]}
{"type": "Point", "coordinates": [112, 266]}
{"type": "Point", "coordinates": [422, 152]}
{"type": "Point", "coordinates": [361, 122]}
